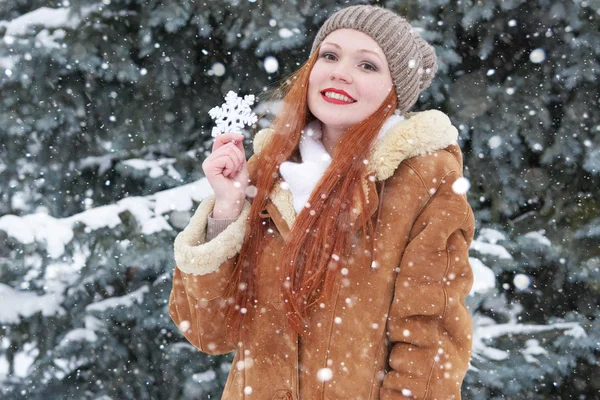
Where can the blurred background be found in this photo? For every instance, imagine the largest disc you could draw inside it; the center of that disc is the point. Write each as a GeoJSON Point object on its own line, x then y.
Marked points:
{"type": "Point", "coordinates": [104, 126]}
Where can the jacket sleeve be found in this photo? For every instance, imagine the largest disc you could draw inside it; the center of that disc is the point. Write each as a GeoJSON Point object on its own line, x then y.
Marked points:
{"type": "Point", "coordinates": [216, 226]}
{"type": "Point", "coordinates": [429, 327]}
{"type": "Point", "coordinates": [203, 269]}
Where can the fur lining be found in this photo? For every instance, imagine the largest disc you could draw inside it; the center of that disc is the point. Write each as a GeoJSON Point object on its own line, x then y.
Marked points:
{"type": "Point", "coordinates": [282, 199]}
{"type": "Point", "coordinates": [418, 134]}
{"type": "Point", "coordinates": [260, 139]}
{"type": "Point", "coordinates": [194, 256]}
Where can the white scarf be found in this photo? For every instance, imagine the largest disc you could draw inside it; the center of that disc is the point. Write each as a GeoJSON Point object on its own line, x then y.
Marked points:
{"type": "Point", "coordinates": [301, 178]}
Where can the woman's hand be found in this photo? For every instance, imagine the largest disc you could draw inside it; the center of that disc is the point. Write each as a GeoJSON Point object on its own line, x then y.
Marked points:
{"type": "Point", "coordinates": [227, 172]}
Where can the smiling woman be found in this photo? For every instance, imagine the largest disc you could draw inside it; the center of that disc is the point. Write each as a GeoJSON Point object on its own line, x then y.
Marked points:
{"type": "Point", "coordinates": [349, 81]}
{"type": "Point", "coordinates": [335, 261]}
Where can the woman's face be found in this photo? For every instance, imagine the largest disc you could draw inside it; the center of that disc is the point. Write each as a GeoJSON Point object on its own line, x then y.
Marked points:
{"type": "Point", "coordinates": [349, 80]}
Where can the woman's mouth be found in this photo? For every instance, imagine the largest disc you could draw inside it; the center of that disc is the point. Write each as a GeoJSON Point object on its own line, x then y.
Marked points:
{"type": "Point", "coordinates": [336, 98]}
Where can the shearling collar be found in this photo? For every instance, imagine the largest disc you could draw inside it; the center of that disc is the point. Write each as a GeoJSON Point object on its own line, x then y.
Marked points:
{"type": "Point", "coordinates": [419, 133]}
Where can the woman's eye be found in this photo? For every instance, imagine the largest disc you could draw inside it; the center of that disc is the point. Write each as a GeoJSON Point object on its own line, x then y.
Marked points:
{"type": "Point", "coordinates": [369, 67]}
{"type": "Point", "coordinates": [328, 56]}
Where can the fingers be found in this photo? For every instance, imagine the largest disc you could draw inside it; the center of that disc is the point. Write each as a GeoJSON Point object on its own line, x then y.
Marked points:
{"type": "Point", "coordinates": [225, 138]}
{"type": "Point", "coordinates": [228, 156]}
{"type": "Point", "coordinates": [239, 162]}
{"type": "Point", "coordinates": [239, 154]}
{"type": "Point", "coordinates": [240, 145]}
{"type": "Point", "coordinates": [223, 164]}
{"type": "Point", "coordinates": [236, 154]}
{"type": "Point", "coordinates": [227, 160]}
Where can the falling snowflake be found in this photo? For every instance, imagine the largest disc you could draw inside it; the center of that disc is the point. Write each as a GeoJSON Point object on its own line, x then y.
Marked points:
{"type": "Point", "coordinates": [184, 326]}
{"type": "Point", "coordinates": [271, 64]}
{"type": "Point", "coordinates": [521, 281]}
{"type": "Point", "coordinates": [461, 185]}
{"type": "Point", "coordinates": [324, 374]}
{"type": "Point", "coordinates": [537, 56]}
{"type": "Point", "coordinates": [233, 114]}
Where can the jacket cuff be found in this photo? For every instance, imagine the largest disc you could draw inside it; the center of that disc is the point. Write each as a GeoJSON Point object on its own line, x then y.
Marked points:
{"type": "Point", "coordinates": [216, 226]}
{"type": "Point", "coordinates": [194, 255]}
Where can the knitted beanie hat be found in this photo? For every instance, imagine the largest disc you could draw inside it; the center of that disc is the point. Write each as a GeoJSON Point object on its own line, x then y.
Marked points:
{"type": "Point", "coordinates": [411, 60]}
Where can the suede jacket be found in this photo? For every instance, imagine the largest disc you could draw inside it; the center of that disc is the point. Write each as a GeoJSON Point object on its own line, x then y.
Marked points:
{"type": "Point", "coordinates": [395, 327]}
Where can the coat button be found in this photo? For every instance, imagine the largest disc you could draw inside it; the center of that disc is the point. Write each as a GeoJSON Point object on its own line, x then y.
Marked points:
{"type": "Point", "coordinates": [283, 394]}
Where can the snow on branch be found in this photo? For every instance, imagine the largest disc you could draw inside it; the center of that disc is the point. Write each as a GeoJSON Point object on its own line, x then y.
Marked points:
{"type": "Point", "coordinates": [49, 18]}
{"type": "Point", "coordinates": [44, 16]}
{"type": "Point", "coordinates": [494, 331]}
{"type": "Point", "coordinates": [17, 303]}
{"type": "Point", "coordinates": [491, 249]}
{"type": "Point", "coordinates": [148, 211]}
{"type": "Point", "coordinates": [126, 301]}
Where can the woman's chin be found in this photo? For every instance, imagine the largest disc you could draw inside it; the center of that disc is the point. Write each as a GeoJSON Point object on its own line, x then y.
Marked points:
{"type": "Point", "coordinates": [335, 123]}
{"type": "Point", "coordinates": [334, 118]}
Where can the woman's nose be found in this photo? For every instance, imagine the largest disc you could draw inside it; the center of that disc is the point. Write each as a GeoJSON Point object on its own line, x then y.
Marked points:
{"type": "Point", "coordinates": [341, 73]}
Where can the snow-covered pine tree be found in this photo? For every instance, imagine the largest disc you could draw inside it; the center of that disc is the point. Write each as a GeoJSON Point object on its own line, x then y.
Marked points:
{"type": "Point", "coordinates": [84, 305]}
{"type": "Point", "coordinates": [529, 341]}
{"type": "Point", "coordinates": [107, 101]}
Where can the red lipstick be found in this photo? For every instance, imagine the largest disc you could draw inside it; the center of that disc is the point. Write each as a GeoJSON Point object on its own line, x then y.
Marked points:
{"type": "Point", "coordinates": [336, 101]}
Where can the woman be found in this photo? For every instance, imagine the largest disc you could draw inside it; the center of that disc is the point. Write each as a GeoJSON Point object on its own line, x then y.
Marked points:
{"type": "Point", "coordinates": [341, 272]}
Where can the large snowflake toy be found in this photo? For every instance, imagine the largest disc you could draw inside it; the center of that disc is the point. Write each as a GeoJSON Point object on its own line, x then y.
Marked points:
{"type": "Point", "coordinates": [233, 114]}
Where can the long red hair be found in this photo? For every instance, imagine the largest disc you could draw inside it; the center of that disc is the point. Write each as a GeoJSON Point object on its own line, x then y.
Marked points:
{"type": "Point", "coordinates": [317, 243]}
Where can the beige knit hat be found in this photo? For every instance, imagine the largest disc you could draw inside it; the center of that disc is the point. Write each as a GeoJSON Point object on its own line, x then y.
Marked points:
{"type": "Point", "coordinates": [412, 61]}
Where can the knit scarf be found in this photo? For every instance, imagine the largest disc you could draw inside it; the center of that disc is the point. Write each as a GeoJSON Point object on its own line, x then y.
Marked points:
{"type": "Point", "coordinates": [301, 178]}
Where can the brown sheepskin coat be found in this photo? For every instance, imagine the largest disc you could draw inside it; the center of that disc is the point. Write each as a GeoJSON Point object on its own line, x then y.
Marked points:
{"type": "Point", "coordinates": [398, 330]}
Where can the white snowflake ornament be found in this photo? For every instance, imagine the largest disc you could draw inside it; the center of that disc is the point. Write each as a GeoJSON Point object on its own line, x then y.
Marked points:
{"type": "Point", "coordinates": [233, 114]}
